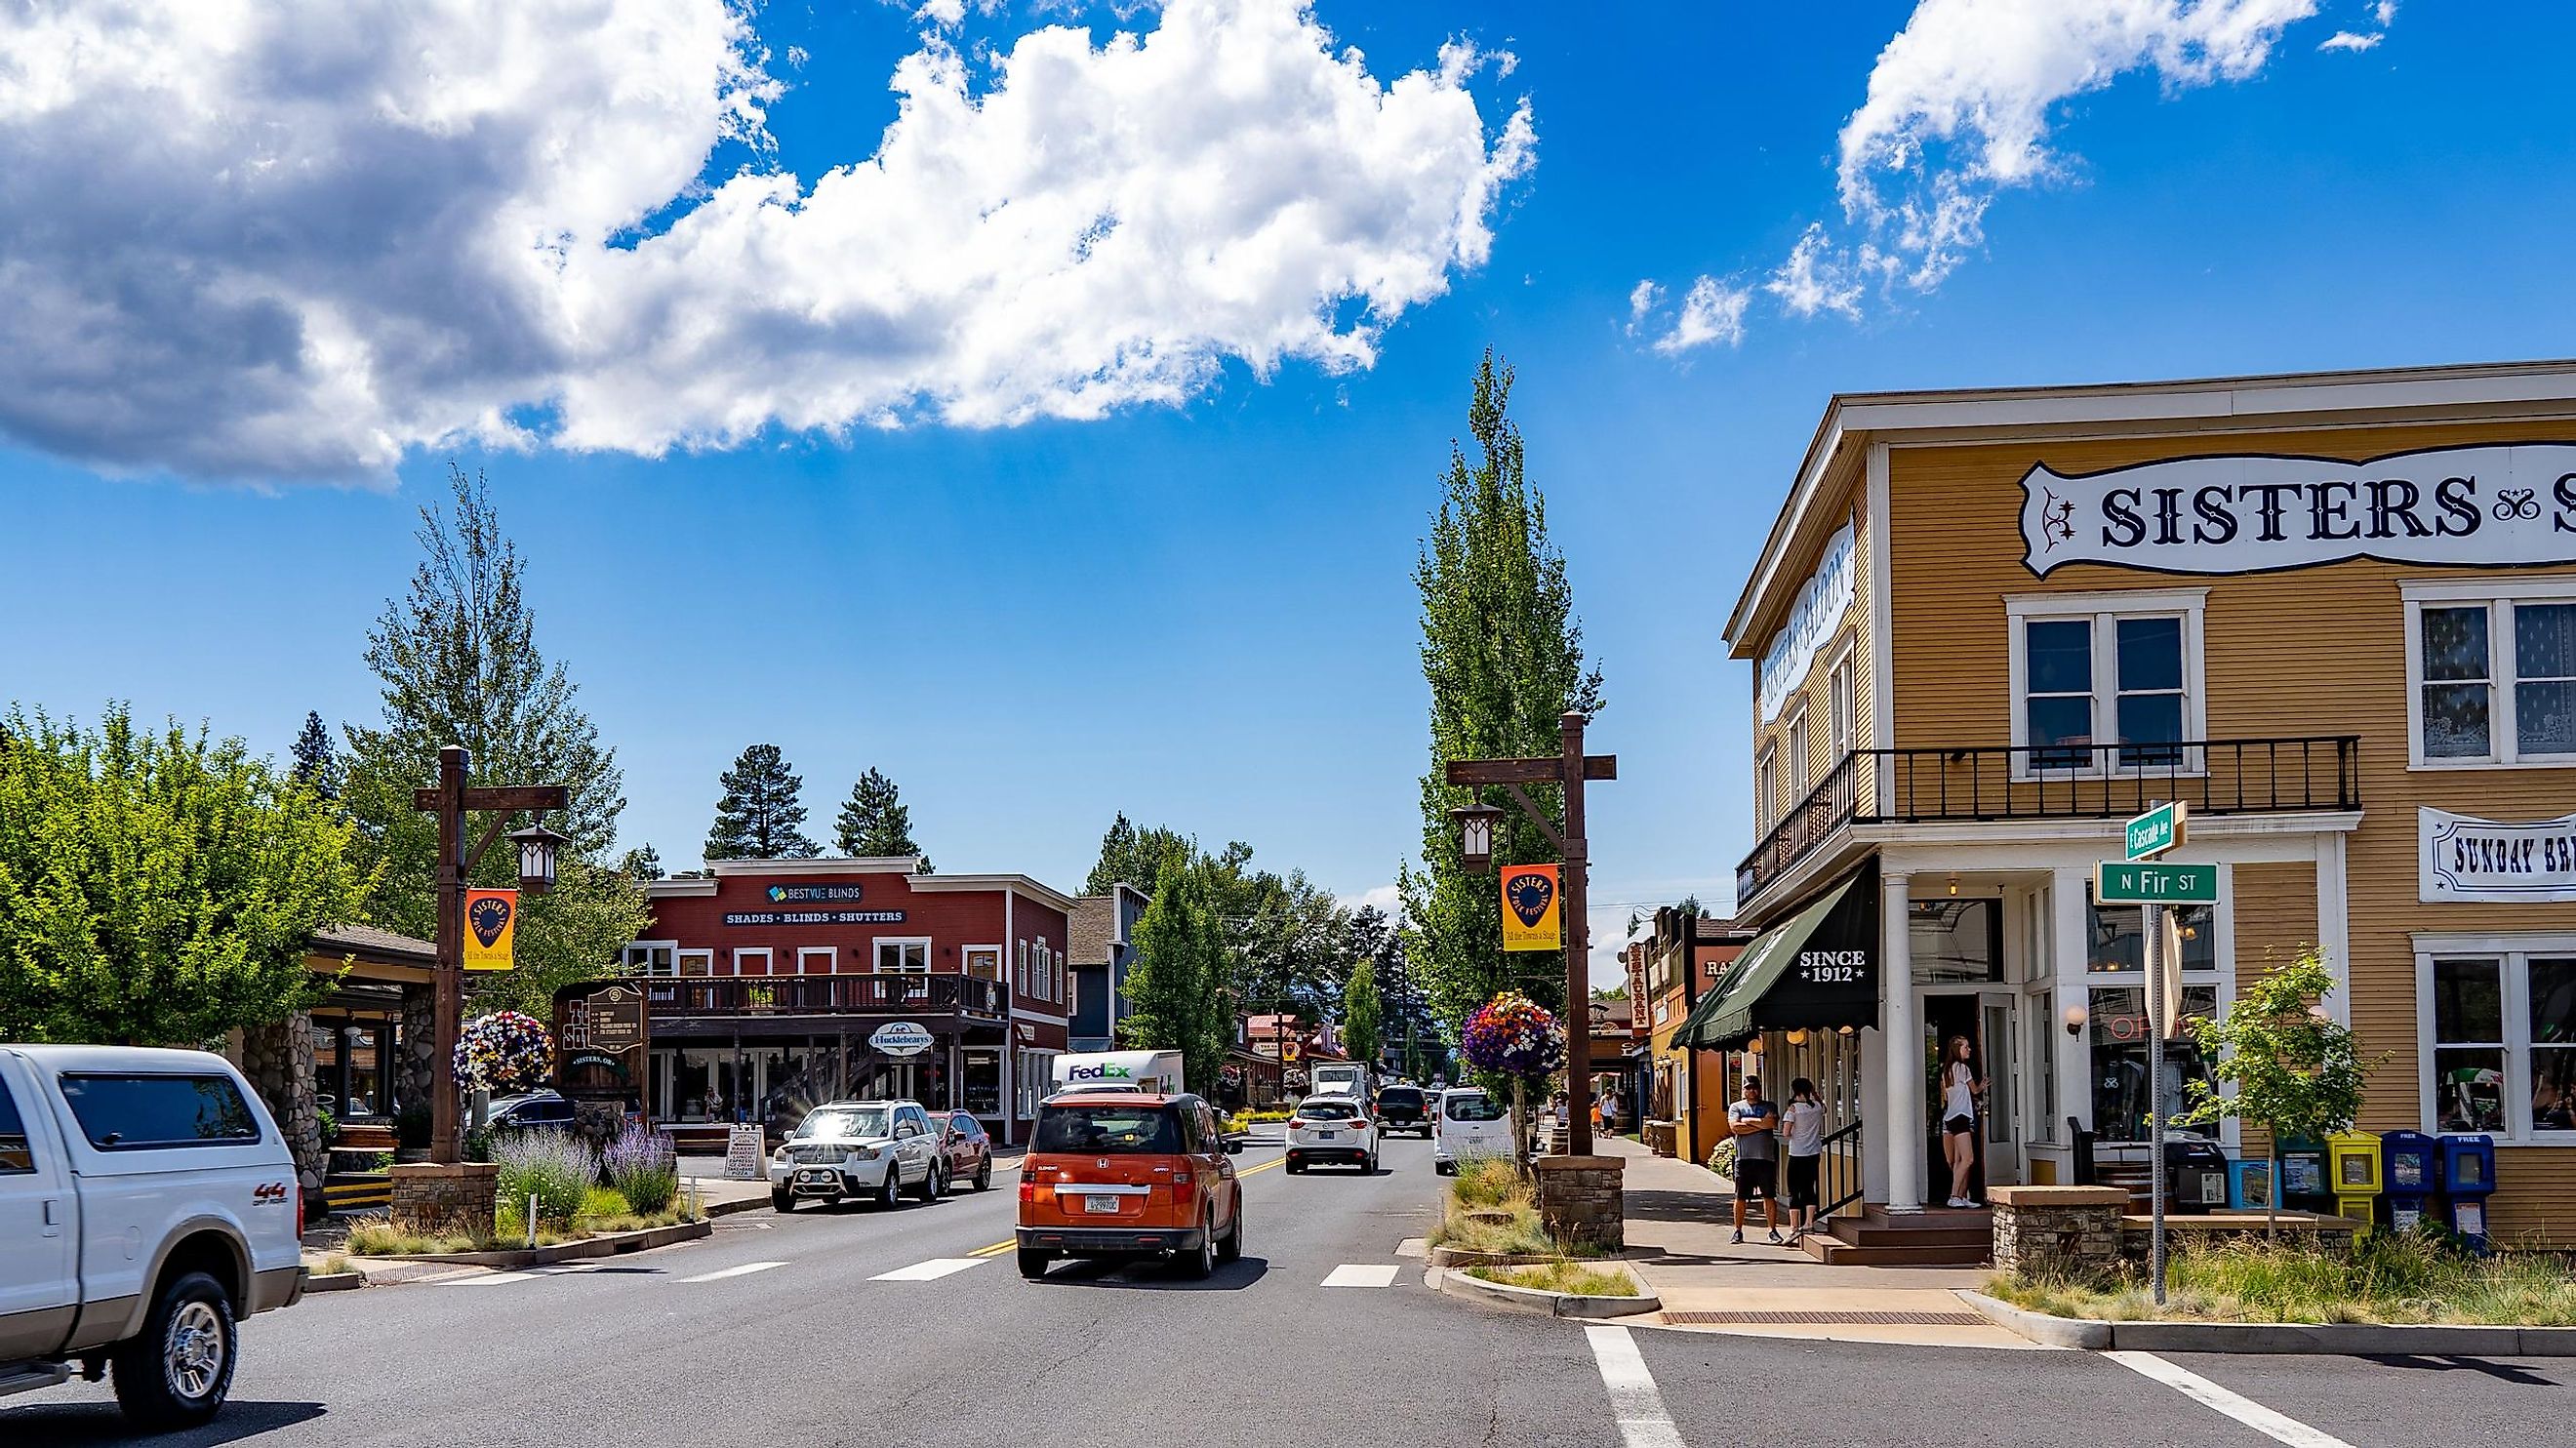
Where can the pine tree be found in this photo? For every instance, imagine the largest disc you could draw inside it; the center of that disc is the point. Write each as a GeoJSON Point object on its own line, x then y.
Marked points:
{"type": "Point", "coordinates": [317, 764]}
{"type": "Point", "coordinates": [459, 664]}
{"type": "Point", "coordinates": [642, 863]}
{"type": "Point", "coordinates": [1176, 981]}
{"type": "Point", "coordinates": [1133, 857]}
{"type": "Point", "coordinates": [1503, 654]}
{"type": "Point", "coordinates": [875, 822]}
{"type": "Point", "coordinates": [761, 816]}
{"type": "Point", "coordinates": [1360, 1011]}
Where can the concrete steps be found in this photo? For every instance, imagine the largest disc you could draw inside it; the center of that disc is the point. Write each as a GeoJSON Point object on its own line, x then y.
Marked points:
{"type": "Point", "coordinates": [1877, 1238]}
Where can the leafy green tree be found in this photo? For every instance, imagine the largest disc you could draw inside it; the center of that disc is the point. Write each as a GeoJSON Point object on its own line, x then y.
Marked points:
{"type": "Point", "coordinates": [876, 822]}
{"type": "Point", "coordinates": [2294, 1067]}
{"type": "Point", "coordinates": [1360, 1012]}
{"type": "Point", "coordinates": [1176, 983]}
{"type": "Point", "coordinates": [1133, 857]}
{"type": "Point", "coordinates": [157, 888]}
{"type": "Point", "coordinates": [1503, 654]}
{"type": "Point", "coordinates": [317, 764]}
{"type": "Point", "coordinates": [458, 663]}
{"type": "Point", "coordinates": [761, 816]}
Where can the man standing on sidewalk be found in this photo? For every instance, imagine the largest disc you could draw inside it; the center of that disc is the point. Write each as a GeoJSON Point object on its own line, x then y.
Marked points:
{"type": "Point", "coordinates": [1755, 1123]}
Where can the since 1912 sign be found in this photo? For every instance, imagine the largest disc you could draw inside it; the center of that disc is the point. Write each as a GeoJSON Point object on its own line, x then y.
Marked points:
{"type": "Point", "coordinates": [2507, 504]}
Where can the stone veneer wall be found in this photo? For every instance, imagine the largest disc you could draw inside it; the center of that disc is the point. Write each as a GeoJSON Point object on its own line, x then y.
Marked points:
{"type": "Point", "coordinates": [446, 1201]}
{"type": "Point", "coordinates": [2057, 1231]}
{"type": "Point", "coordinates": [278, 1059]}
{"type": "Point", "coordinates": [419, 1039]}
{"type": "Point", "coordinates": [1584, 1199]}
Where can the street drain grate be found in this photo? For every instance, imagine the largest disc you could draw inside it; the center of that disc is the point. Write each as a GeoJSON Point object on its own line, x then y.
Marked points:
{"type": "Point", "coordinates": [1832, 1319]}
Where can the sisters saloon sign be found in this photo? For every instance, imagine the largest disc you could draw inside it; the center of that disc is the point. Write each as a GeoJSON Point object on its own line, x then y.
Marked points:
{"type": "Point", "coordinates": [2504, 505]}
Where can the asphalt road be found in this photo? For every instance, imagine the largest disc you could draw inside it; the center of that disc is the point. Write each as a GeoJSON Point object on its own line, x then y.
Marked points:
{"type": "Point", "coordinates": [703, 1343]}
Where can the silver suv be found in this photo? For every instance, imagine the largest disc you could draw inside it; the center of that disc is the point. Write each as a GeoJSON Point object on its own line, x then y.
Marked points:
{"type": "Point", "coordinates": [877, 1149]}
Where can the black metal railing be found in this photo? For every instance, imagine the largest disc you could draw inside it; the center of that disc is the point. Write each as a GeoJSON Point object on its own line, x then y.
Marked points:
{"type": "Point", "coordinates": [1838, 1176]}
{"type": "Point", "coordinates": [820, 995]}
{"type": "Point", "coordinates": [2058, 781]}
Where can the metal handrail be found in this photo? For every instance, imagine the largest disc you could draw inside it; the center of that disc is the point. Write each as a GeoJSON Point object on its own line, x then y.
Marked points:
{"type": "Point", "coordinates": [2114, 780]}
{"type": "Point", "coordinates": [753, 995]}
{"type": "Point", "coordinates": [1839, 1175]}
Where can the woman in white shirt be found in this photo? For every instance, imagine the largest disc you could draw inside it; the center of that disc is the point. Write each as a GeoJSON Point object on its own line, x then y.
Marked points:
{"type": "Point", "coordinates": [1802, 1122]}
{"type": "Point", "coordinates": [1961, 1088]}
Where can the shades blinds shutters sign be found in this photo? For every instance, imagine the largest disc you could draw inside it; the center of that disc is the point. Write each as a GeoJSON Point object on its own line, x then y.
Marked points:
{"type": "Point", "coordinates": [1813, 617]}
{"type": "Point", "coordinates": [2467, 858]}
{"type": "Point", "coordinates": [2505, 505]}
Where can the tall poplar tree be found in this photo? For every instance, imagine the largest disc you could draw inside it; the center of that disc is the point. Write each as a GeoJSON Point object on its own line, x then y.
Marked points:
{"type": "Point", "coordinates": [762, 814]}
{"type": "Point", "coordinates": [1360, 1012]}
{"type": "Point", "coordinates": [1502, 652]}
{"type": "Point", "coordinates": [875, 822]}
{"type": "Point", "coordinates": [1177, 980]}
{"type": "Point", "coordinates": [458, 663]}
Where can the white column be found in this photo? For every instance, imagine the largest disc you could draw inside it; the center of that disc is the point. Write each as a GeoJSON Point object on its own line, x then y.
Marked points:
{"type": "Point", "coordinates": [2334, 925]}
{"type": "Point", "coordinates": [1900, 1026]}
{"type": "Point", "coordinates": [2072, 912]}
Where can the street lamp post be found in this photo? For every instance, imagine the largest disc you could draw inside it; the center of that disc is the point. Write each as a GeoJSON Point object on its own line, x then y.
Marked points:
{"type": "Point", "coordinates": [1568, 768]}
{"type": "Point", "coordinates": [451, 801]}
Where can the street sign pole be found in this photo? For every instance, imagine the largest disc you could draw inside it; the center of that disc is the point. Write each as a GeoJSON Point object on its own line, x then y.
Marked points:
{"type": "Point", "coordinates": [2156, 1027]}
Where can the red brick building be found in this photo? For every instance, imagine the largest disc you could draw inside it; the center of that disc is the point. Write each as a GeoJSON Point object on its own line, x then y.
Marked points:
{"type": "Point", "coordinates": [777, 984]}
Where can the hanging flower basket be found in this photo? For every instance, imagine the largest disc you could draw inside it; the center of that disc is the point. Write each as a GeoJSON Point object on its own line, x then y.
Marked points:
{"type": "Point", "coordinates": [504, 1052]}
{"type": "Point", "coordinates": [1513, 1035]}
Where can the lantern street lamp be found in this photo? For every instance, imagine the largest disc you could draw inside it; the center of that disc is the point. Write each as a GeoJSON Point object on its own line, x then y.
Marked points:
{"type": "Point", "coordinates": [1476, 836]}
{"type": "Point", "coordinates": [537, 846]}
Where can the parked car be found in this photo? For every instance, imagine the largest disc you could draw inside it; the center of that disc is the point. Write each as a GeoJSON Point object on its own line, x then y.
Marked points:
{"type": "Point", "coordinates": [968, 1153]}
{"type": "Point", "coordinates": [534, 1111]}
{"type": "Point", "coordinates": [1332, 1128]}
{"type": "Point", "coordinates": [1404, 1108]}
{"type": "Point", "coordinates": [1467, 1123]}
{"type": "Point", "coordinates": [148, 1203]}
{"type": "Point", "coordinates": [875, 1149]}
{"type": "Point", "coordinates": [1135, 1174]}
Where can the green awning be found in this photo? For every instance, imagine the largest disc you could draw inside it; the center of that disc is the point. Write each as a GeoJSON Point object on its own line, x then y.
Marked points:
{"type": "Point", "coordinates": [1817, 970]}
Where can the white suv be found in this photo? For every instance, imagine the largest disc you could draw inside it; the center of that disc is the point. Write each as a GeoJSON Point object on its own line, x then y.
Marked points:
{"type": "Point", "coordinates": [1332, 1128]}
{"type": "Point", "coordinates": [874, 1149]}
{"type": "Point", "coordinates": [147, 1204]}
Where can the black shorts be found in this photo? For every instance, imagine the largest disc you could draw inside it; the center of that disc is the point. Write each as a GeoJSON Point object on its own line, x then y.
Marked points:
{"type": "Point", "coordinates": [1802, 1181]}
{"type": "Point", "coordinates": [1959, 1125]}
{"type": "Point", "coordinates": [1756, 1181]}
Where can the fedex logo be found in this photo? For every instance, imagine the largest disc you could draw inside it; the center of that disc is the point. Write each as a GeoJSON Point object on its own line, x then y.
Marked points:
{"type": "Point", "coordinates": [1099, 1073]}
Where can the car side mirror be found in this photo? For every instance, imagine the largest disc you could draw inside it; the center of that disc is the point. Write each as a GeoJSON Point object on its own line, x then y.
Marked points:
{"type": "Point", "coordinates": [1234, 1148]}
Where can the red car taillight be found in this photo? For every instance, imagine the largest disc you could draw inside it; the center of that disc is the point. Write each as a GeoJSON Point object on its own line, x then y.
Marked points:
{"type": "Point", "coordinates": [1298, 1123]}
{"type": "Point", "coordinates": [1028, 1189]}
{"type": "Point", "coordinates": [299, 1209]}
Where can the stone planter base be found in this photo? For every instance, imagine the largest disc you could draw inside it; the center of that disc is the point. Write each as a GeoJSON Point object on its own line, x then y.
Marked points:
{"type": "Point", "coordinates": [435, 1200]}
{"type": "Point", "coordinates": [1584, 1199]}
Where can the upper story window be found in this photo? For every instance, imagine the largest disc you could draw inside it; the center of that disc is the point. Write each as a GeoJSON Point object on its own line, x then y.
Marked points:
{"type": "Point", "coordinates": [903, 957]}
{"type": "Point", "coordinates": [1766, 790]}
{"type": "Point", "coordinates": [651, 957]}
{"type": "Point", "coordinates": [2106, 683]}
{"type": "Point", "coordinates": [2491, 673]}
{"type": "Point", "coordinates": [1838, 694]}
{"type": "Point", "coordinates": [1797, 778]}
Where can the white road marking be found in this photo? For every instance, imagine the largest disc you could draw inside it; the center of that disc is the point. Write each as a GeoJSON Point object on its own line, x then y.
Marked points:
{"type": "Point", "coordinates": [1635, 1401]}
{"type": "Point", "coordinates": [2244, 1410]}
{"type": "Point", "coordinates": [1363, 1274]}
{"type": "Point", "coordinates": [930, 1271]}
{"type": "Point", "coordinates": [744, 1270]}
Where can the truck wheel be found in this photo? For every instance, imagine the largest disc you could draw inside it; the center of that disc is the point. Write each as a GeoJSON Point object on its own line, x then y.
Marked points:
{"type": "Point", "coordinates": [782, 1201]}
{"type": "Point", "coordinates": [1033, 1261]}
{"type": "Point", "coordinates": [890, 1192]}
{"type": "Point", "coordinates": [932, 1188]}
{"type": "Point", "coordinates": [175, 1373]}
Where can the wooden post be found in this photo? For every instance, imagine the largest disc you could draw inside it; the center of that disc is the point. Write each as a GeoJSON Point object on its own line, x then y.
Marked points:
{"type": "Point", "coordinates": [446, 1140]}
{"type": "Point", "coordinates": [1578, 945]}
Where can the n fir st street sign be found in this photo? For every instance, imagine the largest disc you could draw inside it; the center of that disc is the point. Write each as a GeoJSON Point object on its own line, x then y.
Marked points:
{"type": "Point", "coordinates": [2142, 883]}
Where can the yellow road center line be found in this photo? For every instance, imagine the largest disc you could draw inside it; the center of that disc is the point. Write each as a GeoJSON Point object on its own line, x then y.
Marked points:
{"type": "Point", "coordinates": [1265, 1166]}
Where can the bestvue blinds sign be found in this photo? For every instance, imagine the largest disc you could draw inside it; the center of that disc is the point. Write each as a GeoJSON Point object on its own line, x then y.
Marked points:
{"type": "Point", "coordinates": [2467, 858]}
{"type": "Point", "coordinates": [783, 894]}
{"type": "Point", "coordinates": [2493, 506]}
{"type": "Point", "coordinates": [1819, 607]}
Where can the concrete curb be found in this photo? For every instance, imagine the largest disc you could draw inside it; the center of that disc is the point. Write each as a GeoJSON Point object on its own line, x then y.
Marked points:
{"type": "Point", "coordinates": [2345, 1339]}
{"type": "Point", "coordinates": [334, 1281]}
{"type": "Point", "coordinates": [614, 1244]}
{"type": "Point", "coordinates": [1532, 1299]}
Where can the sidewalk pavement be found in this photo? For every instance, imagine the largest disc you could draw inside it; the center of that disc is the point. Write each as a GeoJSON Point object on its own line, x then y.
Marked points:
{"type": "Point", "coordinates": [1680, 1218]}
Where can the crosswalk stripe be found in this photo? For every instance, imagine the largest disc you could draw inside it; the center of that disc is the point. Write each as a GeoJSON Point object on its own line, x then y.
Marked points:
{"type": "Point", "coordinates": [930, 1271]}
{"type": "Point", "coordinates": [1635, 1401]}
{"type": "Point", "coordinates": [744, 1270]}
{"type": "Point", "coordinates": [2266, 1421]}
{"type": "Point", "coordinates": [1363, 1274]}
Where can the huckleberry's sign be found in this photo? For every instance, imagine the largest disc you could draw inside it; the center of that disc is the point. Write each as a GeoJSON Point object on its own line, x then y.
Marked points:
{"type": "Point", "coordinates": [2467, 858]}
{"type": "Point", "coordinates": [2508, 504]}
{"type": "Point", "coordinates": [1818, 609]}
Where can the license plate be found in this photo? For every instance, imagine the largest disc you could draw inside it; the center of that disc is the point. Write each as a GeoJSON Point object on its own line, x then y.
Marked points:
{"type": "Point", "coordinates": [1323, 1136]}
{"type": "Point", "coordinates": [1103, 1206]}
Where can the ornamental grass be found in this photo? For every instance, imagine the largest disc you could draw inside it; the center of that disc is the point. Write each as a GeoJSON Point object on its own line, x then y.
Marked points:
{"type": "Point", "coordinates": [2385, 1277]}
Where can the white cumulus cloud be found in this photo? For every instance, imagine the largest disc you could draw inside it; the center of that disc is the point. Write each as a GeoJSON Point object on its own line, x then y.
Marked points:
{"type": "Point", "coordinates": [1712, 312]}
{"type": "Point", "coordinates": [299, 238]}
{"type": "Point", "coordinates": [2350, 40]}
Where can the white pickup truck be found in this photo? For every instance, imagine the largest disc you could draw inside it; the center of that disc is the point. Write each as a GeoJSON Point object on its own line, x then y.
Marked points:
{"type": "Point", "coordinates": [147, 1203]}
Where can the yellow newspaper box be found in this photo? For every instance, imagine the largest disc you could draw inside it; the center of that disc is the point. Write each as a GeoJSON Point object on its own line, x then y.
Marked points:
{"type": "Point", "coordinates": [2352, 1167]}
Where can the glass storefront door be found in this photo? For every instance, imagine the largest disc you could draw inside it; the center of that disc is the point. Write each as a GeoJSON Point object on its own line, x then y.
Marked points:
{"type": "Point", "coordinates": [1984, 1021]}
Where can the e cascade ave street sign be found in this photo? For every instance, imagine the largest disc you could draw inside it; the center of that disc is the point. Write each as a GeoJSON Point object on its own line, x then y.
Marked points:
{"type": "Point", "coordinates": [2137, 883]}
{"type": "Point", "coordinates": [2158, 830]}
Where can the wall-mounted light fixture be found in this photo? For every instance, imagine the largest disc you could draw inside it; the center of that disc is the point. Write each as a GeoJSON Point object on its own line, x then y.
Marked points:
{"type": "Point", "coordinates": [2075, 1019]}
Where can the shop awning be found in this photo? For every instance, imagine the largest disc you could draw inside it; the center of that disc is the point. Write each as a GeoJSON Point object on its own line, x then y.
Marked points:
{"type": "Point", "coordinates": [1817, 970]}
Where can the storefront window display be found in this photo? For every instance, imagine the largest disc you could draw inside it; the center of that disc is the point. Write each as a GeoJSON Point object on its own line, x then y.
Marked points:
{"type": "Point", "coordinates": [2119, 1038]}
{"type": "Point", "coordinates": [2483, 1040]}
{"type": "Point", "coordinates": [1956, 941]}
{"type": "Point", "coordinates": [2115, 939]}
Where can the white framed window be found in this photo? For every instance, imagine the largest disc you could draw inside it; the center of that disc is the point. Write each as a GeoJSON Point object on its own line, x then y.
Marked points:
{"type": "Point", "coordinates": [1838, 706]}
{"type": "Point", "coordinates": [907, 955]}
{"type": "Point", "coordinates": [697, 962]}
{"type": "Point", "coordinates": [814, 959]}
{"type": "Point", "coordinates": [2107, 682]}
{"type": "Point", "coordinates": [2496, 1016]}
{"type": "Point", "coordinates": [1796, 778]}
{"type": "Point", "coordinates": [1020, 979]}
{"type": "Point", "coordinates": [1766, 790]}
{"type": "Point", "coordinates": [751, 960]}
{"type": "Point", "coordinates": [2491, 673]}
{"type": "Point", "coordinates": [652, 957]}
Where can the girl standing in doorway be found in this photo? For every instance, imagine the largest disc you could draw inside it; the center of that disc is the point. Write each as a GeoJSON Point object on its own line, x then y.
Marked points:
{"type": "Point", "coordinates": [1803, 1123]}
{"type": "Point", "coordinates": [1960, 1089]}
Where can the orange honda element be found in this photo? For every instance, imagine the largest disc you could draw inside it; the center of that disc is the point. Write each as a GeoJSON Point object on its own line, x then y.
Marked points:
{"type": "Point", "coordinates": [1129, 1174]}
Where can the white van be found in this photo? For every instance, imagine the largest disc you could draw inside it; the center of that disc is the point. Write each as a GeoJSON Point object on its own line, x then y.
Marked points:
{"type": "Point", "coordinates": [1468, 1123]}
{"type": "Point", "coordinates": [1120, 1071]}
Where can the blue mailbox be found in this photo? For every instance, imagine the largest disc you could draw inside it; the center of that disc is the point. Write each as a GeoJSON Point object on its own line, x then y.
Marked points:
{"type": "Point", "coordinates": [2410, 1175]}
{"type": "Point", "coordinates": [2468, 1178]}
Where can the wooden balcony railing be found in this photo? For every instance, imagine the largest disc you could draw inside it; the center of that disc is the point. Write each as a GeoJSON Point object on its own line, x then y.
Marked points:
{"type": "Point", "coordinates": [822, 995]}
{"type": "Point", "coordinates": [2058, 781]}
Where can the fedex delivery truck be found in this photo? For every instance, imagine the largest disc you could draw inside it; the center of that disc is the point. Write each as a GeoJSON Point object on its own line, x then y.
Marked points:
{"type": "Point", "coordinates": [1119, 1071]}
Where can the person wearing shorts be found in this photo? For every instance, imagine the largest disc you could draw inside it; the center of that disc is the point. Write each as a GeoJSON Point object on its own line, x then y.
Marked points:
{"type": "Point", "coordinates": [1755, 1123]}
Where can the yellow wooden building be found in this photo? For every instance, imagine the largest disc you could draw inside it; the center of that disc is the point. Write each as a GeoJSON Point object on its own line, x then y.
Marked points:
{"type": "Point", "coordinates": [2336, 613]}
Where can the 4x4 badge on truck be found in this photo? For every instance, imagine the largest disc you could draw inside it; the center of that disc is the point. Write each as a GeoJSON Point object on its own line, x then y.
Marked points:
{"type": "Point", "coordinates": [268, 1194]}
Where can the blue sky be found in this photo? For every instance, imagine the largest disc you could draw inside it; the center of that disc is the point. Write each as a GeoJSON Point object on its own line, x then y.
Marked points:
{"type": "Point", "coordinates": [1200, 611]}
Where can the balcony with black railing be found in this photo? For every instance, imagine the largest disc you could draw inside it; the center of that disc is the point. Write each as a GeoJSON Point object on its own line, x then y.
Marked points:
{"type": "Point", "coordinates": [2310, 773]}
{"type": "Point", "coordinates": [823, 995]}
